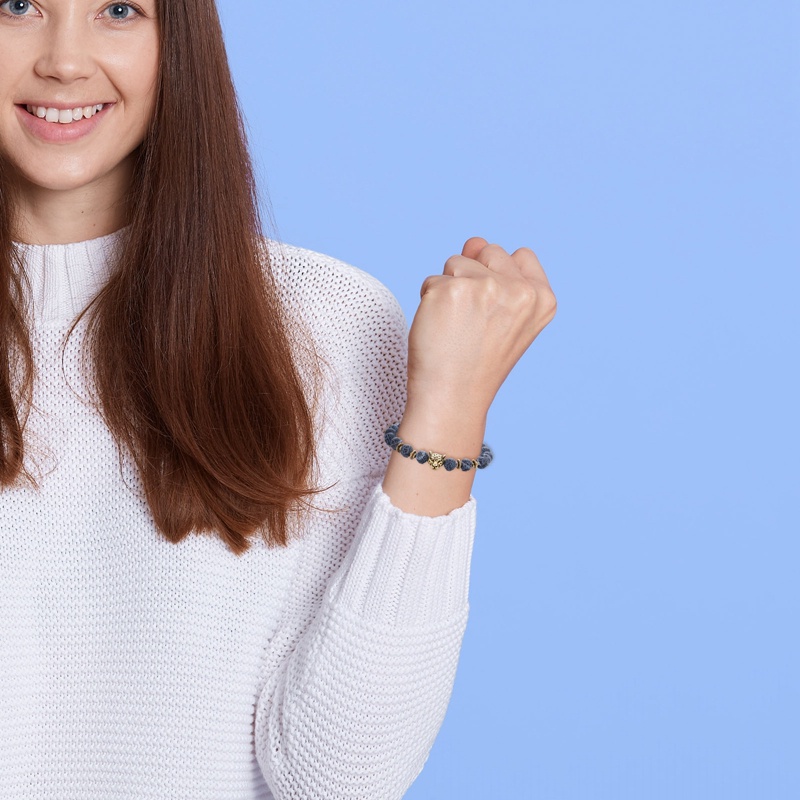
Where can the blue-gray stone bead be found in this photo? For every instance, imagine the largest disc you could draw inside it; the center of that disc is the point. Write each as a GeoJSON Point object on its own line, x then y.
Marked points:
{"type": "Point", "coordinates": [423, 457]}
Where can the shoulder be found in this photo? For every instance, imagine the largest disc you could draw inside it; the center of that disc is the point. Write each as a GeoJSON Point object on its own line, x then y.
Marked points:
{"type": "Point", "coordinates": [359, 337]}
{"type": "Point", "coordinates": [330, 296]}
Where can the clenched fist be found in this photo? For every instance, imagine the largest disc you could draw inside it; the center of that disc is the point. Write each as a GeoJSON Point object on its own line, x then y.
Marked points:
{"type": "Point", "coordinates": [473, 324]}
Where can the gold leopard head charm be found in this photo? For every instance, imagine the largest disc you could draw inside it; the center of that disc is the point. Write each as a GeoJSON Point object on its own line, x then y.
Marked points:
{"type": "Point", "coordinates": [436, 460]}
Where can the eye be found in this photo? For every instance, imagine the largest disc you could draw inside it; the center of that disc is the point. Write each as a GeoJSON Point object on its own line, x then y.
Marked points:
{"type": "Point", "coordinates": [17, 8]}
{"type": "Point", "coordinates": [120, 11]}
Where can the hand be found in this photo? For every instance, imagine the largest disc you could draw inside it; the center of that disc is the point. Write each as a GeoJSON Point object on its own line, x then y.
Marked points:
{"type": "Point", "coordinates": [473, 324]}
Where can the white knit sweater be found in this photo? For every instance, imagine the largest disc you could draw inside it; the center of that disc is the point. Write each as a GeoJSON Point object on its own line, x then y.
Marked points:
{"type": "Point", "coordinates": [135, 668]}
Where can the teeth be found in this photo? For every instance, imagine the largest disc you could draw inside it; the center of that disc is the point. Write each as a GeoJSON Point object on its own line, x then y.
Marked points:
{"type": "Point", "coordinates": [64, 115]}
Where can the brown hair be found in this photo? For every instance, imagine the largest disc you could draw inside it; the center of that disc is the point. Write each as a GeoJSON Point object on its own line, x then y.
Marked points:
{"type": "Point", "coordinates": [192, 353]}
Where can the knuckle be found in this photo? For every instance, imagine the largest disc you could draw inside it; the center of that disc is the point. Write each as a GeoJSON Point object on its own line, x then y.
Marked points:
{"type": "Point", "coordinates": [494, 250]}
{"type": "Point", "coordinates": [471, 296]}
{"type": "Point", "coordinates": [461, 288]}
{"type": "Point", "coordinates": [525, 295]}
{"type": "Point", "coordinates": [490, 289]}
{"type": "Point", "coordinates": [535, 301]}
{"type": "Point", "coordinates": [427, 285]}
{"type": "Point", "coordinates": [550, 303]}
{"type": "Point", "coordinates": [527, 252]}
{"type": "Point", "coordinates": [451, 264]}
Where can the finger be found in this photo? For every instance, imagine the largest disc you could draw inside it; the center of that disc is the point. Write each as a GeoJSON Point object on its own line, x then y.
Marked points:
{"type": "Point", "coordinates": [473, 246]}
{"type": "Point", "coordinates": [497, 259]}
{"type": "Point", "coordinates": [430, 282]}
{"type": "Point", "coordinates": [529, 263]}
{"type": "Point", "coordinates": [461, 266]}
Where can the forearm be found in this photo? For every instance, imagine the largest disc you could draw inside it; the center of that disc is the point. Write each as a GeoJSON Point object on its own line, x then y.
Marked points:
{"type": "Point", "coordinates": [353, 704]}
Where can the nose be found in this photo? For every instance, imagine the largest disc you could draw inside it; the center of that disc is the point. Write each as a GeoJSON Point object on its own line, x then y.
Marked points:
{"type": "Point", "coordinates": [66, 50]}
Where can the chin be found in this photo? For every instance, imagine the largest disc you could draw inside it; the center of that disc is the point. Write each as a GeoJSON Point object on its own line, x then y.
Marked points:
{"type": "Point", "coordinates": [67, 177]}
{"type": "Point", "coordinates": [57, 183]}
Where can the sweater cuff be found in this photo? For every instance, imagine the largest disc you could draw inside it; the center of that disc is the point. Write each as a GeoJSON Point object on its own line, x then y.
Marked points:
{"type": "Point", "coordinates": [406, 570]}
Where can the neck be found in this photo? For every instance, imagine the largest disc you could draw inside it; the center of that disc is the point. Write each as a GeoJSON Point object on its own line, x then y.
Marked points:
{"type": "Point", "coordinates": [61, 216]}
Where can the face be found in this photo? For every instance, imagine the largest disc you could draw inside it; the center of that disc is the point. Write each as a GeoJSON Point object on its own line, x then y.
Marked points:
{"type": "Point", "coordinates": [77, 89]}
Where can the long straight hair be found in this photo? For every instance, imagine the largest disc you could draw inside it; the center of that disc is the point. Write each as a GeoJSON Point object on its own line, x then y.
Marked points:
{"type": "Point", "coordinates": [193, 356]}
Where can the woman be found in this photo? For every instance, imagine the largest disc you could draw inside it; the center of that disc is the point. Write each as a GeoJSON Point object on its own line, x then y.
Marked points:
{"type": "Point", "coordinates": [216, 582]}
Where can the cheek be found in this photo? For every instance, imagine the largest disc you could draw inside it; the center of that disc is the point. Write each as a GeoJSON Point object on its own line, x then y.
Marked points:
{"type": "Point", "coordinates": [135, 71]}
{"type": "Point", "coordinates": [12, 68]}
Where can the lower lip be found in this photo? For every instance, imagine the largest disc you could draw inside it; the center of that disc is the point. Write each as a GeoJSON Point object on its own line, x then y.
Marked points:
{"type": "Point", "coordinates": [58, 132]}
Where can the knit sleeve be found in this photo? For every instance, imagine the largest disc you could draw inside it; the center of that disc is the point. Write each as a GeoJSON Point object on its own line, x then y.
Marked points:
{"type": "Point", "coordinates": [358, 676]}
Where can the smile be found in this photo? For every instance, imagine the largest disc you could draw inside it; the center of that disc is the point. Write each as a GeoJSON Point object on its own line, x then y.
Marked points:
{"type": "Point", "coordinates": [64, 116]}
{"type": "Point", "coordinates": [62, 126]}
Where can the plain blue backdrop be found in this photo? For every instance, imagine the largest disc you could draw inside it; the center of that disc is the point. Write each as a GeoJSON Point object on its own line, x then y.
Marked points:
{"type": "Point", "coordinates": [634, 598]}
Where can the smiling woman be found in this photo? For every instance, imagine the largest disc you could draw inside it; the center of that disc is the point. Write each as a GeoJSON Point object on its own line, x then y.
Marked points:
{"type": "Point", "coordinates": [217, 581]}
{"type": "Point", "coordinates": [66, 59]}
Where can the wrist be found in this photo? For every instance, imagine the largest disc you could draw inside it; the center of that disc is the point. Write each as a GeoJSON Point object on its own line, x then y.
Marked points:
{"type": "Point", "coordinates": [440, 429]}
{"type": "Point", "coordinates": [444, 406]}
{"type": "Point", "coordinates": [433, 426]}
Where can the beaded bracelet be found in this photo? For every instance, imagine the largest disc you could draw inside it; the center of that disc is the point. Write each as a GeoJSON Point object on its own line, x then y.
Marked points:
{"type": "Point", "coordinates": [436, 460]}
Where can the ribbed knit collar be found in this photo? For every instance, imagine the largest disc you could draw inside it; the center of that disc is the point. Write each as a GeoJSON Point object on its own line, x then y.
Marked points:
{"type": "Point", "coordinates": [65, 277]}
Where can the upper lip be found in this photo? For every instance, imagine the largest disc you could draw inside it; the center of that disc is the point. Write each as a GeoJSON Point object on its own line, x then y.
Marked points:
{"type": "Point", "coordinates": [63, 106]}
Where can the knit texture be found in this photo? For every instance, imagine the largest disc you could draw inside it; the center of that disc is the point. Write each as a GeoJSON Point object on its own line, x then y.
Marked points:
{"type": "Point", "coordinates": [137, 668]}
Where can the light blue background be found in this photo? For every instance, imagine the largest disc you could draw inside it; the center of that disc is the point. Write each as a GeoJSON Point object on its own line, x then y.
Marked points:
{"type": "Point", "coordinates": [634, 599]}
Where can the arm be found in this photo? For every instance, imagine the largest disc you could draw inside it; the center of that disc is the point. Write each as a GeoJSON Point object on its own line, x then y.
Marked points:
{"type": "Point", "coordinates": [360, 674]}
{"type": "Point", "coordinates": [358, 677]}
{"type": "Point", "coordinates": [354, 709]}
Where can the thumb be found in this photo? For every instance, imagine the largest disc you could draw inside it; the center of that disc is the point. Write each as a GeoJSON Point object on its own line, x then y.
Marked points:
{"type": "Point", "coordinates": [473, 246]}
